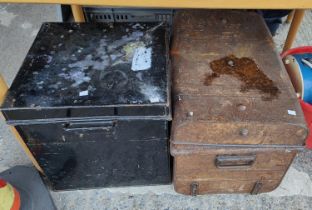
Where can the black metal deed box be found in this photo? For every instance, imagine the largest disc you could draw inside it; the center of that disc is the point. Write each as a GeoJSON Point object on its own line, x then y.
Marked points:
{"type": "Point", "coordinates": [92, 102]}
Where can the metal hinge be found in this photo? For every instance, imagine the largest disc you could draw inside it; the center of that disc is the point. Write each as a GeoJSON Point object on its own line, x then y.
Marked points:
{"type": "Point", "coordinates": [255, 190]}
{"type": "Point", "coordinates": [194, 188]}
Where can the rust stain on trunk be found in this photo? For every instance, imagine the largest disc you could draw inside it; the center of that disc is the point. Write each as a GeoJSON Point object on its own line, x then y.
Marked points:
{"type": "Point", "coordinates": [247, 71]}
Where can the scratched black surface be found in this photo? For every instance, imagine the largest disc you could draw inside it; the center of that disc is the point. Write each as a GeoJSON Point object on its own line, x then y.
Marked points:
{"type": "Point", "coordinates": [74, 149]}
{"type": "Point", "coordinates": [68, 58]}
{"type": "Point", "coordinates": [99, 155]}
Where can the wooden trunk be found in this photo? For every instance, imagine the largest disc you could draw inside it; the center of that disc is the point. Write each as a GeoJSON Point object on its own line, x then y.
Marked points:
{"type": "Point", "coordinates": [237, 123]}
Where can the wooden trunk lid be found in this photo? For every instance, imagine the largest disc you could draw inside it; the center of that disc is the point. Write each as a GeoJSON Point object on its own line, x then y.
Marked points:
{"type": "Point", "coordinates": [229, 84]}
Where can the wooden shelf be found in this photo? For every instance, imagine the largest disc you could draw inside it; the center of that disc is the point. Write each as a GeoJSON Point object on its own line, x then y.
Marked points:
{"type": "Point", "coordinates": [212, 4]}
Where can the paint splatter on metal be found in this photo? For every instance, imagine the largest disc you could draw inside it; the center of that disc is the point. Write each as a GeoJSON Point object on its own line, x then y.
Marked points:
{"type": "Point", "coordinates": [68, 58]}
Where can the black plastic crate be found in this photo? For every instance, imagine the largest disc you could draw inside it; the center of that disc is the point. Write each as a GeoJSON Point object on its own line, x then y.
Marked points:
{"type": "Point", "coordinates": [100, 14]}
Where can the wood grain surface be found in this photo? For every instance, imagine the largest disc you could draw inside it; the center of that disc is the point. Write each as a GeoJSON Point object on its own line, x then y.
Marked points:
{"type": "Point", "coordinates": [231, 109]}
{"type": "Point", "coordinates": [269, 167]}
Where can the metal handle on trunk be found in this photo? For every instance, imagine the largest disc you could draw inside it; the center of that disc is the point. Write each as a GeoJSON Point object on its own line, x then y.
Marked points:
{"type": "Point", "coordinates": [90, 126]}
{"type": "Point", "coordinates": [234, 161]}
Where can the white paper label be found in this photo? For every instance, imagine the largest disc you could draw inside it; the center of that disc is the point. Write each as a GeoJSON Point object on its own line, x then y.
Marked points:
{"type": "Point", "coordinates": [292, 112]}
{"type": "Point", "coordinates": [142, 59]}
{"type": "Point", "coordinates": [84, 93]}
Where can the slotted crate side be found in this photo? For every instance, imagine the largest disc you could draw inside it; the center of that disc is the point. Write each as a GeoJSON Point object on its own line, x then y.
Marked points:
{"type": "Point", "coordinates": [96, 14]}
{"type": "Point", "coordinates": [142, 15]}
{"type": "Point", "coordinates": [100, 14]}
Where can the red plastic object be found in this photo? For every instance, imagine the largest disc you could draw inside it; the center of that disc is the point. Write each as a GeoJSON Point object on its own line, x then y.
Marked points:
{"type": "Point", "coordinates": [297, 50]}
{"type": "Point", "coordinates": [307, 111]}
{"type": "Point", "coordinates": [2, 183]}
{"type": "Point", "coordinates": [306, 107]}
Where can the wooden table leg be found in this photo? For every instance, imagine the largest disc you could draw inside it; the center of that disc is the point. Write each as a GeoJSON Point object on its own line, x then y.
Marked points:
{"type": "Point", "coordinates": [78, 13]}
{"type": "Point", "coordinates": [3, 90]}
{"type": "Point", "coordinates": [290, 16]}
{"type": "Point", "coordinates": [298, 16]}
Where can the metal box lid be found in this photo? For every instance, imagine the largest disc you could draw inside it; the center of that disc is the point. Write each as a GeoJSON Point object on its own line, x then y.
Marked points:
{"type": "Point", "coordinates": [76, 70]}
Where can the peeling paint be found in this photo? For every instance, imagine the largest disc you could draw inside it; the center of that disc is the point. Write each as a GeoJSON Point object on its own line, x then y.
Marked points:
{"type": "Point", "coordinates": [142, 59]}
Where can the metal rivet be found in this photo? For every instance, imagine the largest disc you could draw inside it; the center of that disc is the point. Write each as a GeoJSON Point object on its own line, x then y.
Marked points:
{"type": "Point", "coordinates": [179, 98]}
{"type": "Point", "coordinates": [244, 132]}
{"type": "Point", "coordinates": [190, 114]}
{"type": "Point", "coordinates": [242, 107]}
{"type": "Point", "coordinates": [230, 63]}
